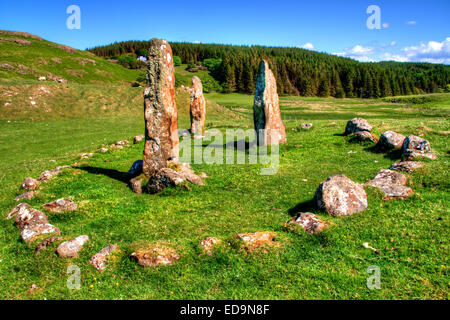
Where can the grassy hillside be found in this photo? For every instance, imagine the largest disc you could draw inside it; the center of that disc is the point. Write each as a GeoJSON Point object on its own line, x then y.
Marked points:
{"type": "Point", "coordinates": [25, 56]}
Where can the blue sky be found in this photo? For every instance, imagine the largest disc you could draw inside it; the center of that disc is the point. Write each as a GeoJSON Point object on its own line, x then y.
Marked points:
{"type": "Point", "coordinates": [411, 30]}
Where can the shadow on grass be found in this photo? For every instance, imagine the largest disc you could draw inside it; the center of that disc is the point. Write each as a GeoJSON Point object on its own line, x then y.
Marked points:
{"type": "Point", "coordinates": [240, 145]}
{"type": "Point", "coordinates": [307, 206]}
{"type": "Point", "coordinates": [111, 173]}
{"type": "Point", "coordinates": [390, 154]}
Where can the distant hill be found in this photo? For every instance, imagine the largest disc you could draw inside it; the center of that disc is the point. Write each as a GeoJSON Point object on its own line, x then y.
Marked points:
{"type": "Point", "coordinates": [27, 56]}
{"type": "Point", "coordinates": [301, 72]}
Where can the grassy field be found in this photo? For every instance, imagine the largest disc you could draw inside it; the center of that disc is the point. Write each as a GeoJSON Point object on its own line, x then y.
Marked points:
{"type": "Point", "coordinates": [411, 235]}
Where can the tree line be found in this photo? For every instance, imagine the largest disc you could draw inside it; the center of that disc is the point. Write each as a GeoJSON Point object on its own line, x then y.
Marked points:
{"type": "Point", "coordinates": [299, 71]}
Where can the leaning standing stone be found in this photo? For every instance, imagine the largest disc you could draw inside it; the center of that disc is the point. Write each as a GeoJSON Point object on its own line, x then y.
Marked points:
{"type": "Point", "coordinates": [71, 248]}
{"type": "Point", "coordinates": [198, 108]}
{"type": "Point", "coordinates": [340, 196]}
{"type": "Point", "coordinates": [160, 110]}
{"type": "Point", "coordinates": [269, 127]}
{"type": "Point", "coordinates": [357, 124]}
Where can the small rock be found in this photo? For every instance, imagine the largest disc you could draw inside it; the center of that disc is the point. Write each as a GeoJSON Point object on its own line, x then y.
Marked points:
{"type": "Point", "coordinates": [308, 221]}
{"type": "Point", "coordinates": [357, 124]}
{"type": "Point", "coordinates": [46, 243]}
{"type": "Point", "coordinates": [71, 248]}
{"type": "Point", "coordinates": [340, 196]}
{"type": "Point", "coordinates": [391, 183]}
{"type": "Point", "coordinates": [139, 138]}
{"type": "Point", "coordinates": [99, 260]}
{"type": "Point", "coordinates": [48, 174]}
{"type": "Point", "coordinates": [122, 143]}
{"type": "Point", "coordinates": [167, 177]}
{"type": "Point", "coordinates": [257, 239]}
{"type": "Point", "coordinates": [136, 183]}
{"type": "Point", "coordinates": [154, 256]}
{"type": "Point", "coordinates": [208, 244]}
{"type": "Point", "coordinates": [27, 195]}
{"type": "Point", "coordinates": [42, 78]}
{"type": "Point", "coordinates": [61, 205]}
{"type": "Point", "coordinates": [306, 126]}
{"type": "Point", "coordinates": [103, 150]}
{"type": "Point", "coordinates": [18, 209]}
{"type": "Point", "coordinates": [390, 140]}
{"type": "Point", "coordinates": [406, 166]}
{"type": "Point", "coordinates": [30, 184]}
{"type": "Point", "coordinates": [203, 175]}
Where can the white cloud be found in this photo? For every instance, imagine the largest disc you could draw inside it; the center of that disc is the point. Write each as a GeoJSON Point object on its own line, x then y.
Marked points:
{"type": "Point", "coordinates": [197, 41]}
{"type": "Point", "coordinates": [358, 52]}
{"type": "Point", "coordinates": [308, 46]}
{"type": "Point", "coordinates": [386, 25]}
{"type": "Point", "coordinates": [411, 22]}
{"type": "Point", "coordinates": [431, 51]}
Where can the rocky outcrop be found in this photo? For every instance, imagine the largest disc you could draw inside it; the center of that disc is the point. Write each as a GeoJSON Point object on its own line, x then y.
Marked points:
{"type": "Point", "coordinates": [70, 249]}
{"type": "Point", "coordinates": [160, 110]}
{"type": "Point", "coordinates": [390, 140]}
{"type": "Point", "coordinates": [32, 223]}
{"type": "Point", "coordinates": [255, 240]}
{"type": "Point", "coordinates": [155, 255]}
{"type": "Point", "coordinates": [269, 127]}
{"type": "Point", "coordinates": [100, 259]}
{"type": "Point", "coordinates": [406, 166]}
{"type": "Point", "coordinates": [308, 221]}
{"type": "Point", "coordinates": [198, 108]}
{"type": "Point", "coordinates": [391, 183]}
{"type": "Point", "coordinates": [61, 205]}
{"type": "Point", "coordinates": [340, 196]}
{"type": "Point", "coordinates": [357, 124]}
{"type": "Point", "coordinates": [416, 147]}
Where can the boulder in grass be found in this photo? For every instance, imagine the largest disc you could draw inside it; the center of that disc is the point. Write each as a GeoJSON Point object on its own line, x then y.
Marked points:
{"type": "Point", "coordinates": [416, 147]}
{"type": "Point", "coordinates": [48, 174]}
{"type": "Point", "coordinates": [306, 126]}
{"type": "Point", "coordinates": [390, 140]}
{"type": "Point", "coordinates": [155, 255]}
{"type": "Point", "coordinates": [70, 249]}
{"type": "Point", "coordinates": [357, 124]}
{"type": "Point", "coordinates": [30, 184]}
{"type": "Point", "coordinates": [171, 177]}
{"type": "Point", "coordinates": [27, 195]}
{"type": "Point", "coordinates": [340, 196]}
{"type": "Point", "coordinates": [406, 166]}
{"type": "Point", "coordinates": [363, 136]}
{"type": "Point", "coordinates": [208, 244]}
{"type": "Point", "coordinates": [100, 259]}
{"type": "Point", "coordinates": [139, 138]}
{"type": "Point", "coordinates": [61, 205]}
{"type": "Point", "coordinates": [255, 240]}
{"type": "Point", "coordinates": [392, 184]}
{"type": "Point", "coordinates": [308, 221]}
{"type": "Point", "coordinates": [32, 223]}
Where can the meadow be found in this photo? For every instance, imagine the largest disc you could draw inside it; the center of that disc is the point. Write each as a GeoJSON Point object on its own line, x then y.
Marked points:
{"type": "Point", "coordinates": [74, 118]}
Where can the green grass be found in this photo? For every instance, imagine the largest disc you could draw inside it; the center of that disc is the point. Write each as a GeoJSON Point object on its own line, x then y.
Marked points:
{"type": "Point", "coordinates": [412, 235]}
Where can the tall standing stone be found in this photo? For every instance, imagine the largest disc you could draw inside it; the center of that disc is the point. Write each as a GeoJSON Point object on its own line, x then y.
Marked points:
{"type": "Point", "coordinates": [160, 110]}
{"type": "Point", "coordinates": [198, 108]}
{"type": "Point", "coordinates": [266, 109]}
